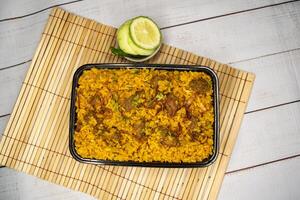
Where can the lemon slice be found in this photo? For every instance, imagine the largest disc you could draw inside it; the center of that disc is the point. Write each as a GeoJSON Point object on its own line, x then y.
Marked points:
{"type": "Point", "coordinates": [145, 33]}
{"type": "Point", "coordinates": [127, 45]}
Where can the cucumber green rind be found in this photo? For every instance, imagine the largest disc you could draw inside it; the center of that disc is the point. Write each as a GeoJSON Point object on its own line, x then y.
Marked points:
{"type": "Point", "coordinates": [118, 52]}
{"type": "Point", "coordinates": [121, 53]}
{"type": "Point", "coordinates": [122, 38]}
{"type": "Point", "coordinates": [132, 37]}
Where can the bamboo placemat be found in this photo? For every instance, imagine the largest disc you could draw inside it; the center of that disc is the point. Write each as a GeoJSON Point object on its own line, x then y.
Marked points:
{"type": "Point", "coordinates": [36, 138]}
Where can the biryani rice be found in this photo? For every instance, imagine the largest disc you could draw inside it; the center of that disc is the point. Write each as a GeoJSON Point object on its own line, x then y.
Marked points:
{"type": "Point", "coordinates": [144, 115]}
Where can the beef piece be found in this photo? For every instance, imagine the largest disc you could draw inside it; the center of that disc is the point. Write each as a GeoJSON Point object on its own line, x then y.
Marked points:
{"type": "Point", "coordinates": [198, 136]}
{"type": "Point", "coordinates": [170, 141]}
{"type": "Point", "coordinates": [188, 112]}
{"type": "Point", "coordinates": [106, 112]}
{"type": "Point", "coordinates": [97, 102]}
{"type": "Point", "coordinates": [112, 139]}
{"type": "Point", "coordinates": [168, 137]}
{"type": "Point", "coordinates": [78, 127]}
{"type": "Point", "coordinates": [155, 79]}
{"type": "Point", "coordinates": [131, 102]}
{"type": "Point", "coordinates": [139, 129]}
{"type": "Point", "coordinates": [193, 124]}
{"type": "Point", "coordinates": [200, 85]}
{"type": "Point", "coordinates": [171, 104]}
{"type": "Point", "coordinates": [195, 136]}
{"type": "Point", "coordinates": [126, 103]}
{"type": "Point", "coordinates": [139, 126]}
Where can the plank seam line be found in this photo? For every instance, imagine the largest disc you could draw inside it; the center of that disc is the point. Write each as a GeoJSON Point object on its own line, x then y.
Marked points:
{"type": "Point", "coordinates": [39, 11]}
{"type": "Point", "coordinates": [274, 106]}
{"type": "Point", "coordinates": [15, 65]}
{"type": "Point", "coordinates": [46, 90]}
{"type": "Point", "coordinates": [194, 63]}
{"type": "Point", "coordinates": [76, 24]}
{"type": "Point", "coordinates": [262, 164]}
{"type": "Point", "coordinates": [167, 27]}
{"type": "Point", "coordinates": [263, 56]}
{"type": "Point", "coordinates": [5, 115]}
{"type": "Point", "coordinates": [66, 176]}
{"type": "Point", "coordinates": [62, 154]}
{"type": "Point", "coordinates": [228, 14]}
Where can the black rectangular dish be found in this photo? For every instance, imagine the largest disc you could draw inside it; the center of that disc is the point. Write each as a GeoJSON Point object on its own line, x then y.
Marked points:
{"type": "Point", "coordinates": [169, 67]}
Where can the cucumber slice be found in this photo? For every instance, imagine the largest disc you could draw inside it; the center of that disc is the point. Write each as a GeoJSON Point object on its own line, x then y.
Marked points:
{"type": "Point", "coordinates": [122, 38]}
{"type": "Point", "coordinates": [127, 45]}
{"type": "Point", "coordinates": [145, 33]}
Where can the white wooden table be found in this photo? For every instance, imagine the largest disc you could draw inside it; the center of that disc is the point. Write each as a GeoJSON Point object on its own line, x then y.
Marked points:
{"type": "Point", "coordinates": [261, 36]}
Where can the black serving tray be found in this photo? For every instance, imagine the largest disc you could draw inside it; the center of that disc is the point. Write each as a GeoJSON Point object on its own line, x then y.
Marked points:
{"type": "Point", "coordinates": [73, 116]}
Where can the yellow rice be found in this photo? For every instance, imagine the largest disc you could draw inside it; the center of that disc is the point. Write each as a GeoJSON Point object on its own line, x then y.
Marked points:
{"type": "Point", "coordinates": [164, 118]}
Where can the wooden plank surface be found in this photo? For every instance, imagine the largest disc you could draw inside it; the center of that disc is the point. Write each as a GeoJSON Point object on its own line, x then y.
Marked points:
{"type": "Point", "coordinates": [263, 94]}
{"type": "Point", "coordinates": [276, 142]}
{"type": "Point", "coordinates": [251, 35]}
{"type": "Point", "coordinates": [10, 84]}
{"type": "Point", "coordinates": [3, 121]}
{"type": "Point", "coordinates": [277, 78]}
{"type": "Point", "coordinates": [227, 42]}
{"type": "Point", "coordinates": [282, 178]}
{"type": "Point", "coordinates": [170, 14]}
{"type": "Point", "coordinates": [30, 138]}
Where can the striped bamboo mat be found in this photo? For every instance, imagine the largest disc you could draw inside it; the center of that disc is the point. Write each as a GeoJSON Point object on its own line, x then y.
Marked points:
{"type": "Point", "coordinates": [36, 138]}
